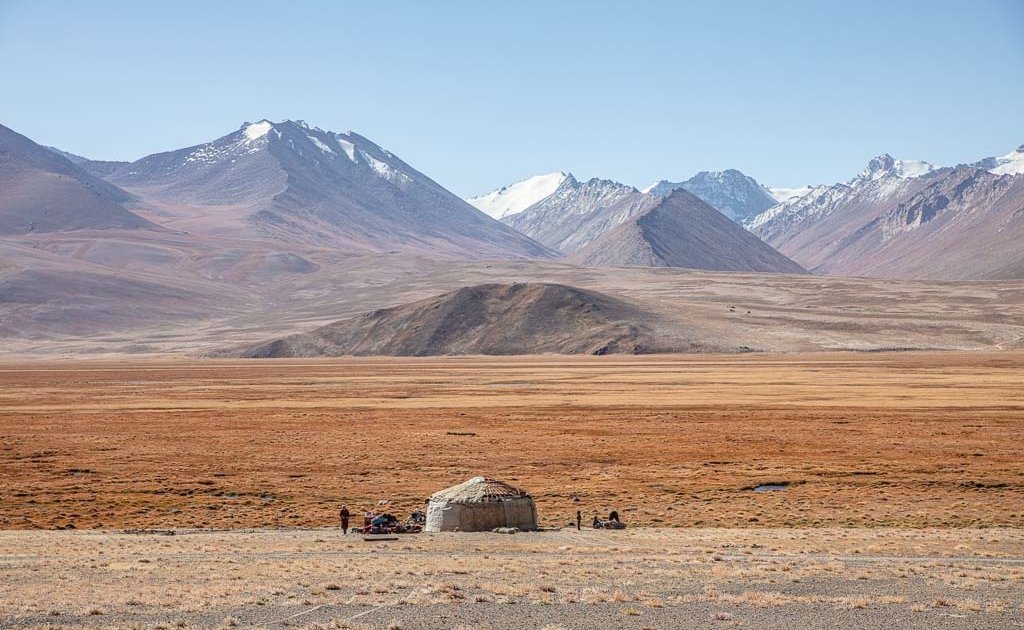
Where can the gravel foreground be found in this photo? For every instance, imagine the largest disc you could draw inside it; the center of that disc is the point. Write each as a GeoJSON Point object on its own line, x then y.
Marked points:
{"type": "Point", "coordinates": [553, 617]}
{"type": "Point", "coordinates": [642, 578]}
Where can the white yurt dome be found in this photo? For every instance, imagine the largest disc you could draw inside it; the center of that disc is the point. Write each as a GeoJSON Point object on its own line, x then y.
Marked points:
{"type": "Point", "coordinates": [480, 504]}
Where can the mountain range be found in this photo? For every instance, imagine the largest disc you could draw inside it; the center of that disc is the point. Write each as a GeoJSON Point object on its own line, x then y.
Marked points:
{"type": "Point", "coordinates": [601, 222]}
{"type": "Point", "coordinates": [908, 219]}
{"type": "Point", "coordinates": [301, 186]}
{"type": "Point", "coordinates": [277, 217]}
{"type": "Point", "coordinates": [297, 185]}
{"type": "Point", "coordinates": [732, 193]}
{"type": "Point", "coordinates": [895, 219]}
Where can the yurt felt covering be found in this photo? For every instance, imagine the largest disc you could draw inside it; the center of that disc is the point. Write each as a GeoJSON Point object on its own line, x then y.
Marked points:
{"type": "Point", "coordinates": [480, 504]}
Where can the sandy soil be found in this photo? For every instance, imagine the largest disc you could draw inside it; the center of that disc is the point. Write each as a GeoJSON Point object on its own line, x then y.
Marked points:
{"type": "Point", "coordinates": [650, 578]}
{"type": "Point", "coordinates": [906, 439]}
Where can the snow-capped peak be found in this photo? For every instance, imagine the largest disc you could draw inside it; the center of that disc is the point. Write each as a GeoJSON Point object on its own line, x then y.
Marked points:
{"type": "Point", "coordinates": [1010, 164]}
{"type": "Point", "coordinates": [255, 131]}
{"type": "Point", "coordinates": [657, 184]}
{"type": "Point", "coordinates": [884, 165]}
{"type": "Point", "coordinates": [909, 169]}
{"type": "Point", "coordinates": [519, 196]}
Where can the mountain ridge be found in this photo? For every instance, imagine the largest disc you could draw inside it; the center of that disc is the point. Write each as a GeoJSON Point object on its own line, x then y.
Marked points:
{"type": "Point", "coordinates": [295, 183]}
{"type": "Point", "coordinates": [519, 196]}
{"type": "Point", "coordinates": [43, 191]}
{"type": "Point", "coordinates": [883, 222]}
{"type": "Point", "coordinates": [681, 230]}
{"type": "Point", "coordinates": [734, 194]}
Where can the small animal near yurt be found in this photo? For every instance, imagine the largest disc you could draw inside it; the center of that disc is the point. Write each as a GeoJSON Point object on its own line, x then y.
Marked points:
{"type": "Point", "coordinates": [481, 504]}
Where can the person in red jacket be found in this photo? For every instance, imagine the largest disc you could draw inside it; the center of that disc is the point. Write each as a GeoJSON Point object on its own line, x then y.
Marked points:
{"type": "Point", "coordinates": [344, 519]}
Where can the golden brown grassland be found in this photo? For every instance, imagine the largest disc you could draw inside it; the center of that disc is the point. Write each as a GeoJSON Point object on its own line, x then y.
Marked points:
{"type": "Point", "coordinates": [898, 439]}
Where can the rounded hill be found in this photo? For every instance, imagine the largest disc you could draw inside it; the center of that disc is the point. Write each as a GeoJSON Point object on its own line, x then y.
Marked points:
{"type": "Point", "coordinates": [493, 319]}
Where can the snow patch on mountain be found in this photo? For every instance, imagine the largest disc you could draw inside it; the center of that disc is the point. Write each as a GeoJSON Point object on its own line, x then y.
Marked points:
{"type": "Point", "coordinates": [320, 145]}
{"type": "Point", "coordinates": [515, 198]}
{"type": "Point", "coordinates": [347, 147]}
{"type": "Point", "coordinates": [908, 169]}
{"type": "Point", "coordinates": [783, 195]}
{"type": "Point", "coordinates": [222, 149]}
{"type": "Point", "coordinates": [256, 131]}
{"type": "Point", "coordinates": [885, 165]}
{"type": "Point", "coordinates": [384, 169]}
{"type": "Point", "coordinates": [213, 152]}
{"type": "Point", "coordinates": [1010, 164]}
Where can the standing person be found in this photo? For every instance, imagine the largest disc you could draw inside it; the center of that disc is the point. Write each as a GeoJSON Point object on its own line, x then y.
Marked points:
{"type": "Point", "coordinates": [579, 519]}
{"type": "Point", "coordinates": [344, 518]}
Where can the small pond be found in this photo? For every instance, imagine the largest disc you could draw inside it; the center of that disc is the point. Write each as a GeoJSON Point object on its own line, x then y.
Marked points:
{"type": "Point", "coordinates": [771, 487]}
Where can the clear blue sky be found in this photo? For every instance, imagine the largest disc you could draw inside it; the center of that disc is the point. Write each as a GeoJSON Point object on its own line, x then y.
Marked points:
{"type": "Point", "coordinates": [477, 94]}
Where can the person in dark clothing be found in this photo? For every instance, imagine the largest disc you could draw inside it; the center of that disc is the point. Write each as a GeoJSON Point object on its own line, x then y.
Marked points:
{"type": "Point", "coordinates": [579, 519]}
{"type": "Point", "coordinates": [614, 516]}
{"type": "Point", "coordinates": [344, 519]}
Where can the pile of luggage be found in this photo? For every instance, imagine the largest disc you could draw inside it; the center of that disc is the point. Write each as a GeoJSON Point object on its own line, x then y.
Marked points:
{"type": "Point", "coordinates": [613, 522]}
{"type": "Point", "coordinates": [374, 523]}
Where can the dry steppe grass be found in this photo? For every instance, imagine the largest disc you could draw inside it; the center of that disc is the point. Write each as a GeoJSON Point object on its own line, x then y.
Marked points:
{"type": "Point", "coordinates": [880, 439]}
{"type": "Point", "coordinates": [662, 577]}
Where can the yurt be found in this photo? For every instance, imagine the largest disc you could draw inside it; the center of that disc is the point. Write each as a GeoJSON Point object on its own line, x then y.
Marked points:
{"type": "Point", "coordinates": [480, 505]}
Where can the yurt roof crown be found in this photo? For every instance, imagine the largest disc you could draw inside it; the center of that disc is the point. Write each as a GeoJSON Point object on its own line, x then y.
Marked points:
{"type": "Point", "coordinates": [479, 489]}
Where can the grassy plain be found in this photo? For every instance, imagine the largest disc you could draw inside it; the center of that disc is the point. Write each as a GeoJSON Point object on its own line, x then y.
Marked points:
{"type": "Point", "coordinates": [865, 440]}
